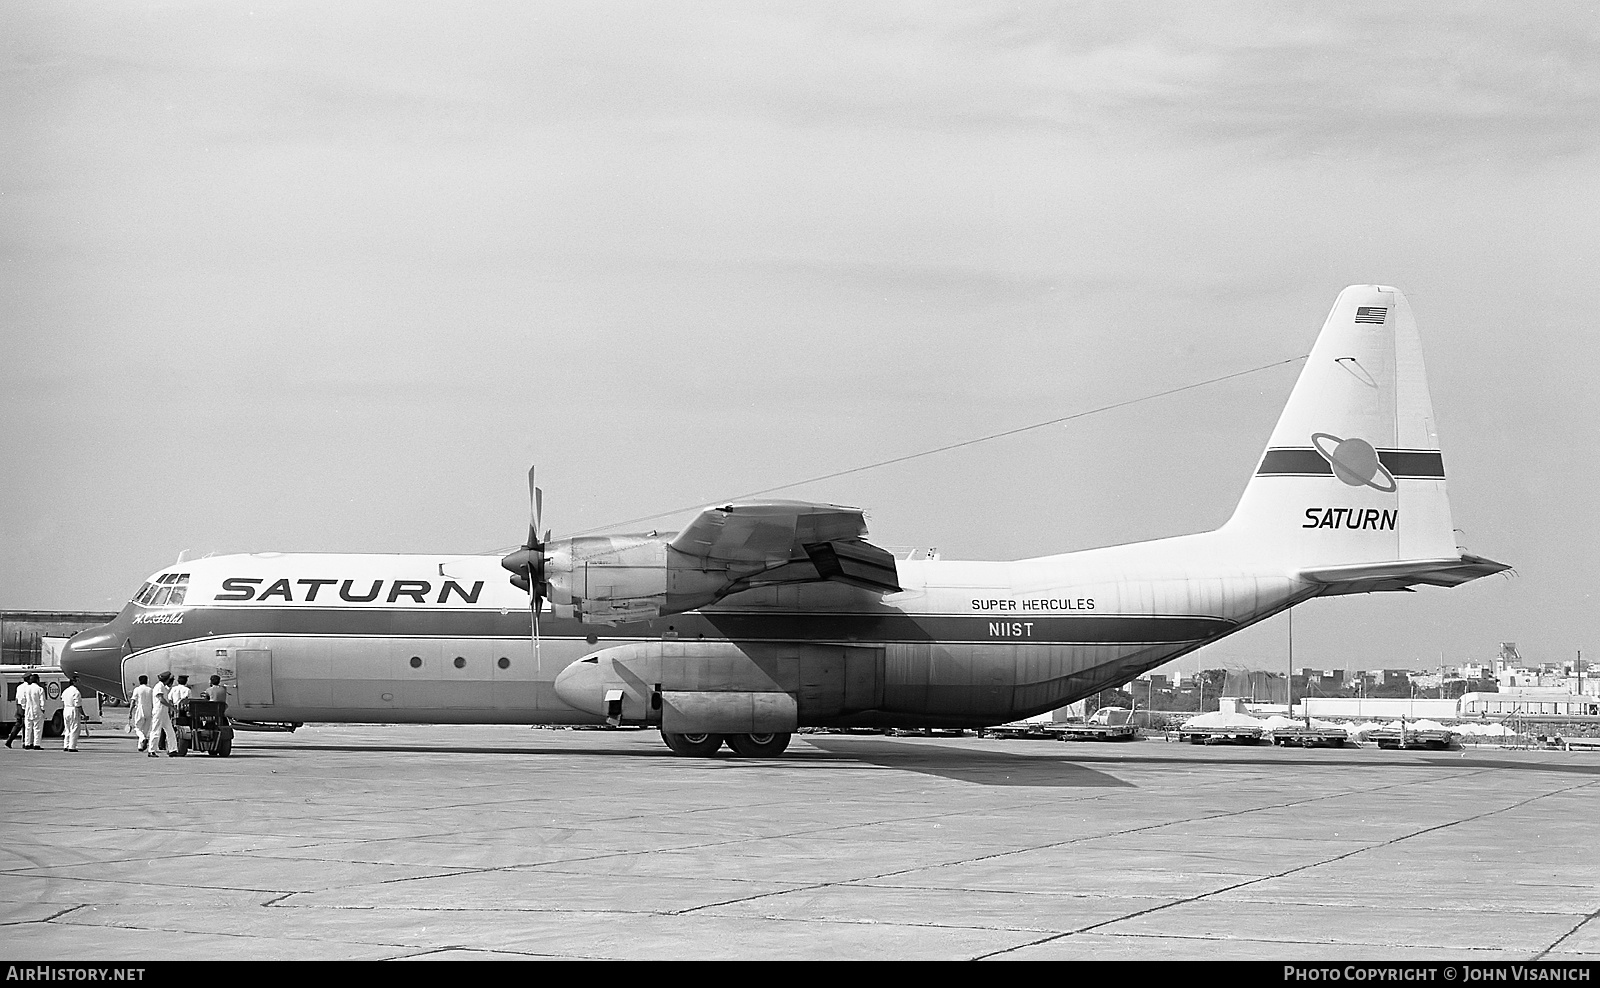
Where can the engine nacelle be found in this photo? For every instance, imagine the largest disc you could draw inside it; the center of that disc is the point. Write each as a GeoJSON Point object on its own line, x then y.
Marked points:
{"type": "Point", "coordinates": [620, 579]}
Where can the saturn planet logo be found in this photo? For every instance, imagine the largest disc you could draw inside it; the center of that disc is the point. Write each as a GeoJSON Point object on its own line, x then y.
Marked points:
{"type": "Point", "coordinates": [1354, 461]}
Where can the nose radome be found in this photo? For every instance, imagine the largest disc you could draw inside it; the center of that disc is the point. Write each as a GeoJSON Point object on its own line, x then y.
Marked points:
{"type": "Point", "coordinates": [95, 656]}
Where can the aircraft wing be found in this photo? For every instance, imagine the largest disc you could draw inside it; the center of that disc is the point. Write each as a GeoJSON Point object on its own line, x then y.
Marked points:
{"type": "Point", "coordinates": [1378, 577]}
{"type": "Point", "coordinates": [768, 542]}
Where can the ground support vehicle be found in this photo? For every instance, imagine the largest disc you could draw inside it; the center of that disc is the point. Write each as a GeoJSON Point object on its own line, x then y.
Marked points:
{"type": "Point", "coordinates": [54, 681]}
{"type": "Point", "coordinates": [202, 726]}
{"type": "Point", "coordinates": [1105, 724]}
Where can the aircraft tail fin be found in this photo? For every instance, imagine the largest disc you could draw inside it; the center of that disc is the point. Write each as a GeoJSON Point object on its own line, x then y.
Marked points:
{"type": "Point", "coordinates": [1351, 489]}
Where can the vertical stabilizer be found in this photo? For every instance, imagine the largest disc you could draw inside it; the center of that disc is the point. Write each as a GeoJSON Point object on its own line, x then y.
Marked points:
{"type": "Point", "coordinates": [1353, 473]}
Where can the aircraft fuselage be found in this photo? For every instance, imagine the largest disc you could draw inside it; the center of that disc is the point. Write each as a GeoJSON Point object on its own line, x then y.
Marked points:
{"type": "Point", "coordinates": [412, 638]}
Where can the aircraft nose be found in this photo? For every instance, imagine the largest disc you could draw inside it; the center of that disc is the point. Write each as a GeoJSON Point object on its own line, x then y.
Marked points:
{"type": "Point", "coordinates": [95, 656]}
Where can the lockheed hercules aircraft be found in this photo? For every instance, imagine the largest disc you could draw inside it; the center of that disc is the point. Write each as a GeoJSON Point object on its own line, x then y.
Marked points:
{"type": "Point", "coordinates": [762, 617]}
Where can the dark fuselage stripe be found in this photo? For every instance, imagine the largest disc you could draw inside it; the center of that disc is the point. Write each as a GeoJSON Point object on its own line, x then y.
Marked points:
{"type": "Point", "coordinates": [1108, 629]}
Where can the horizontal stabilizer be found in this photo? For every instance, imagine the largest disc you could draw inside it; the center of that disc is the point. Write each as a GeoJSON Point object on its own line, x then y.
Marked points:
{"type": "Point", "coordinates": [1403, 575]}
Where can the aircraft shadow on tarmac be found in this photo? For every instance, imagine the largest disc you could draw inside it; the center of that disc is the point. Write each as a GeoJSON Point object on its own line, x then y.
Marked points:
{"type": "Point", "coordinates": [990, 768]}
{"type": "Point", "coordinates": [1070, 769]}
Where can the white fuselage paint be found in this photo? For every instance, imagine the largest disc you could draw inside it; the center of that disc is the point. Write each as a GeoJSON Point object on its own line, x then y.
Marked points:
{"type": "Point", "coordinates": [1031, 635]}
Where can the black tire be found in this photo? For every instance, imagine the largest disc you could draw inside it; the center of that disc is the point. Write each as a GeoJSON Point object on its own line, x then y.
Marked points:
{"type": "Point", "coordinates": [55, 726]}
{"type": "Point", "coordinates": [225, 744]}
{"type": "Point", "coordinates": [758, 745]}
{"type": "Point", "coordinates": [695, 745]}
{"type": "Point", "coordinates": [180, 745]}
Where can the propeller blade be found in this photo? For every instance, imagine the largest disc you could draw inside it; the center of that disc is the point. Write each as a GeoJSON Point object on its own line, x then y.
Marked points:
{"type": "Point", "coordinates": [538, 605]}
{"type": "Point", "coordinates": [535, 507]}
{"type": "Point", "coordinates": [531, 559]}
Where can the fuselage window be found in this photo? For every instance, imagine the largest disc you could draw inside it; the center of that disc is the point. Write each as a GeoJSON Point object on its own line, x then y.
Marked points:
{"type": "Point", "coordinates": [505, 663]}
{"type": "Point", "coordinates": [416, 662]}
{"type": "Point", "coordinates": [460, 662]}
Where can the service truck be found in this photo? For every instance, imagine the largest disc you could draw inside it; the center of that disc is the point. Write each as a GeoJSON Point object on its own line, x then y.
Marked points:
{"type": "Point", "coordinates": [54, 681]}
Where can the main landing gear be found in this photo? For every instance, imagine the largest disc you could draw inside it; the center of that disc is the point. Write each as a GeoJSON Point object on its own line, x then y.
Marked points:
{"type": "Point", "coordinates": [743, 745]}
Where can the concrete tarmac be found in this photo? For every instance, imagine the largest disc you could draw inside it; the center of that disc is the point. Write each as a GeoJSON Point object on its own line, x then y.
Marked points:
{"type": "Point", "coordinates": [385, 842]}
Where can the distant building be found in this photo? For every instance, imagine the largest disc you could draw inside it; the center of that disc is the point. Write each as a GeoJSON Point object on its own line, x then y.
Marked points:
{"type": "Point", "coordinates": [23, 633]}
{"type": "Point", "coordinates": [1368, 708]}
{"type": "Point", "coordinates": [1319, 682]}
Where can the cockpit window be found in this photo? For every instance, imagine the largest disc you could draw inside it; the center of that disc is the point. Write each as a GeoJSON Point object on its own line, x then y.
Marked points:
{"type": "Point", "coordinates": [167, 590]}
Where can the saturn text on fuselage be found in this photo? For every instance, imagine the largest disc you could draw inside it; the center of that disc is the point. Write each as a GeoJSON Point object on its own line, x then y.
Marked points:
{"type": "Point", "coordinates": [242, 588]}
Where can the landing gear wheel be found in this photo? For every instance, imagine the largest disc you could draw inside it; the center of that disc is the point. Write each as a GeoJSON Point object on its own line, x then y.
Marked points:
{"type": "Point", "coordinates": [224, 745]}
{"type": "Point", "coordinates": [758, 745]}
{"type": "Point", "coordinates": [695, 745]}
{"type": "Point", "coordinates": [55, 726]}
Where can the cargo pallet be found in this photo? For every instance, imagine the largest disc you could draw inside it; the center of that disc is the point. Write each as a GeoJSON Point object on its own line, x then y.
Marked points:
{"type": "Point", "coordinates": [1310, 737]}
{"type": "Point", "coordinates": [1098, 732]}
{"type": "Point", "coordinates": [1393, 739]}
{"type": "Point", "coordinates": [1220, 735]}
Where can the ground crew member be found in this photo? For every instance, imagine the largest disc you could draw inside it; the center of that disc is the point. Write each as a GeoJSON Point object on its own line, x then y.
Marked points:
{"type": "Point", "coordinates": [71, 715]}
{"type": "Point", "coordinates": [175, 697]}
{"type": "Point", "coordinates": [16, 725]}
{"type": "Point", "coordinates": [162, 727]}
{"type": "Point", "coordinates": [218, 694]}
{"type": "Point", "coordinates": [142, 714]}
{"type": "Point", "coordinates": [30, 697]}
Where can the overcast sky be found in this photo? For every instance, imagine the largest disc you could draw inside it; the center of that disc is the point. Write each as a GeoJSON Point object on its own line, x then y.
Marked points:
{"type": "Point", "coordinates": [311, 276]}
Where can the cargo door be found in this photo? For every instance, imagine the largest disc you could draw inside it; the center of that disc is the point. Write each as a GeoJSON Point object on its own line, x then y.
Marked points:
{"type": "Point", "coordinates": [255, 677]}
{"type": "Point", "coordinates": [863, 679]}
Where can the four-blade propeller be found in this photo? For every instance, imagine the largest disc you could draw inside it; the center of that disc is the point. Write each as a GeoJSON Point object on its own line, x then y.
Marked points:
{"type": "Point", "coordinates": [527, 564]}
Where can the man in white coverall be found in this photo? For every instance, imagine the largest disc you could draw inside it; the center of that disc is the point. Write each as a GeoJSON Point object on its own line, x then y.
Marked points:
{"type": "Point", "coordinates": [71, 715]}
{"type": "Point", "coordinates": [142, 714]}
{"type": "Point", "coordinates": [176, 694]}
{"type": "Point", "coordinates": [162, 726]}
{"type": "Point", "coordinates": [30, 697]}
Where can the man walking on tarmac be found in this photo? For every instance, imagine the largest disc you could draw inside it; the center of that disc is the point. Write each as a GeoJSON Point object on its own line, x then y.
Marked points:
{"type": "Point", "coordinates": [30, 697]}
{"type": "Point", "coordinates": [71, 715]}
{"type": "Point", "coordinates": [161, 728]}
{"type": "Point", "coordinates": [142, 714]}
{"type": "Point", "coordinates": [175, 697]}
